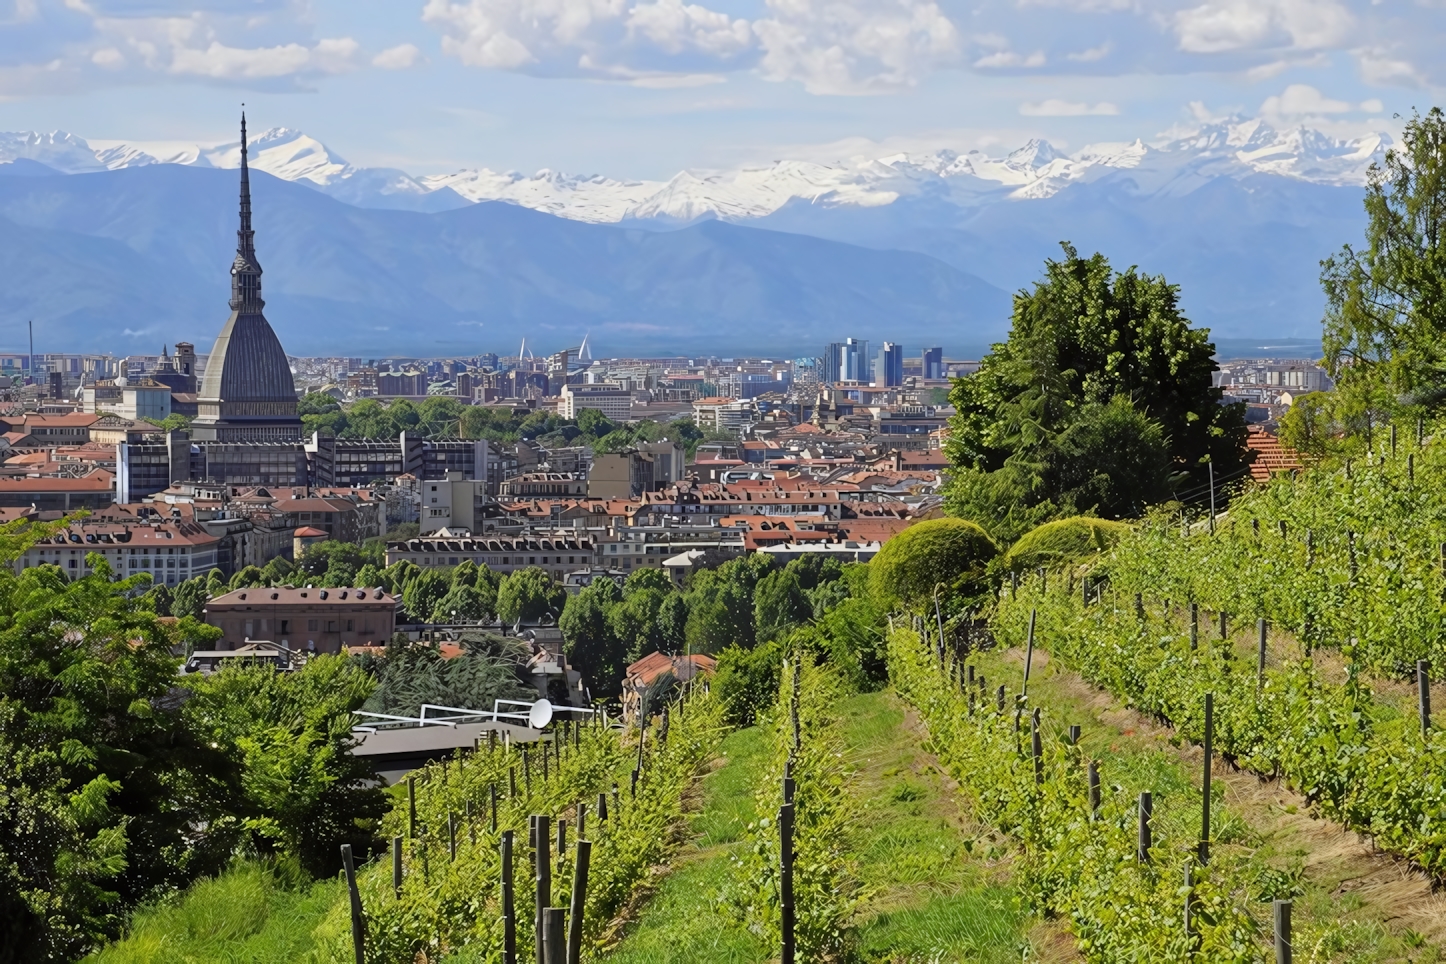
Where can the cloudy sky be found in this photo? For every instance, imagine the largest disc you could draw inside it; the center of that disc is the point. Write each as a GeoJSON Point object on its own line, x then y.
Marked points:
{"type": "Point", "coordinates": [642, 88]}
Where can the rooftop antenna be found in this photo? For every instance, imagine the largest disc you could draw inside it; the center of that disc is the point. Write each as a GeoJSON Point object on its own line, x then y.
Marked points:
{"type": "Point", "coordinates": [31, 323]}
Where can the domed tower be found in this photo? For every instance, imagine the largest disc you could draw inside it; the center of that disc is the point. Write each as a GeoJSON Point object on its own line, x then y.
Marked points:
{"type": "Point", "coordinates": [247, 393]}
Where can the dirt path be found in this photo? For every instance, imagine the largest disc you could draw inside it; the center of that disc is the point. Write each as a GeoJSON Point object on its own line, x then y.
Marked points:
{"type": "Point", "coordinates": [1342, 874]}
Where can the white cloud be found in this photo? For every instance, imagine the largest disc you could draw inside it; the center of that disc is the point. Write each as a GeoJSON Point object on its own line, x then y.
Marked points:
{"type": "Point", "coordinates": [1221, 26]}
{"type": "Point", "coordinates": [1065, 108]}
{"type": "Point", "coordinates": [218, 60]}
{"type": "Point", "coordinates": [399, 57]}
{"type": "Point", "coordinates": [1301, 100]}
{"type": "Point", "coordinates": [1092, 54]}
{"type": "Point", "coordinates": [109, 58]}
{"type": "Point", "coordinates": [1379, 65]}
{"type": "Point", "coordinates": [677, 27]}
{"type": "Point", "coordinates": [855, 46]}
{"type": "Point", "coordinates": [1008, 58]}
{"type": "Point", "coordinates": [1372, 106]}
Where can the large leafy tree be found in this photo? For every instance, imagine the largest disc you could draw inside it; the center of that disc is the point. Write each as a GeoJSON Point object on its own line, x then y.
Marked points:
{"type": "Point", "coordinates": [592, 648]}
{"type": "Point", "coordinates": [1385, 323]}
{"type": "Point", "coordinates": [1101, 393]}
{"type": "Point", "coordinates": [529, 594]}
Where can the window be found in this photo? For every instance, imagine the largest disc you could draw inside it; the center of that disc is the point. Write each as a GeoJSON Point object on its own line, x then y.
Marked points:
{"type": "Point", "coordinates": [348, 625]}
{"type": "Point", "coordinates": [311, 625]}
{"type": "Point", "coordinates": [72, 563]}
{"type": "Point", "coordinates": [285, 626]}
{"type": "Point", "coordinates": [331, 625]}
{"type": "Point", "coordinates": [249, 629]}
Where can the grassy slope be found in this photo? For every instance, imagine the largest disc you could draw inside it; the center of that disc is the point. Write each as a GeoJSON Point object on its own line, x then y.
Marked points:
{"type": "Point", "coordinates": [680, 922]}
{"type": "Point", "coordinates": [245, 916]}
{"type": "Point", "coordinates": [936, 891]}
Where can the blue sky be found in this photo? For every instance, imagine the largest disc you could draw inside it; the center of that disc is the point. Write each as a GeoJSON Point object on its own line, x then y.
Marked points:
{"type": "Point", "coordinates": [643, 88]}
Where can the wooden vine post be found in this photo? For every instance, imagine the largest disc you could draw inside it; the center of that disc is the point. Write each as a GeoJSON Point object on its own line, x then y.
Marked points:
{"type": "Point", "coordinates": [1262, 626]}
{"type": "Point", "coordinates": [1423, 691]}
{"type": "Point", "coordinates": [1283, 946]}
{"type": "Point", "coordinates": [509, 910]}
{"type": "Point", "coordinates": [358, 926]}
{"type": "Point", "coordinates": [1142, 852]}
{"type": "Point", "coordinates": [397, 866]}
{"type": "Point", "coordinates": [1029, 648]}
{"type": "Point", "coordinates": [542, 868]}
{"type": "Point", "coordinates": [1205, 794]}
{"type": "Point", "coordinates": [579, 898]}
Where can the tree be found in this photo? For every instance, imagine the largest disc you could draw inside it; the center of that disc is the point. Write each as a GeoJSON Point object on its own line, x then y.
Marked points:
{"type": "Point", "coordinates": [779, 604]}
{"type": "Point", "coordinates": [277, 570]}
{"type": "Point", "coordinates": [1312, 428]}
{"type": "Point", "coordinates": [190, 598]}
{"type": "Point", "coordinates": [1063, 541]}
{"type": "Point", "coordinates": [529, 594]}
{"type": "Point", "coordinates": [594, 423]}
{"type": "Point", "coordinates": [423, 592]}
{"type": "Point", "coordinates": [948, 555]}
{"type": "Point", "coordinates": [369, 576]}
{"type": "Point", "coordinates": [246, 577]}
{"type": "Point", "coordinates": [592, 648]}
{"type": "Point", "coordinates": [1385, 321]}
{"type": "Point", "coordinates": [673, 623]}
{"type": "Point", "coordinates": [462, 603]}
{"type": "Point", "coordinates": [1087, 345]}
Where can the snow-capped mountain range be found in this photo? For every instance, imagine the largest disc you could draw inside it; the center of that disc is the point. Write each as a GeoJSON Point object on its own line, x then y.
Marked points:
{"type": "Point", "coordinates": [1172, 167]}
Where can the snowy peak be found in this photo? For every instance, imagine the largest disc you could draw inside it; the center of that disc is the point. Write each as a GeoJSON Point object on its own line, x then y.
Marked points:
{"type": "Point", "coordinates": [1176, 164]}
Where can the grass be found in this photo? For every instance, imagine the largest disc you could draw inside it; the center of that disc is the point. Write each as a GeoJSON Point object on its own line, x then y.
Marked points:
{"type": "Point", "coordinates": [248, 914]}
{"type": "Point", "coordinates": [937, 887]}
{"type": "Point", "coordinates": [680, 922]}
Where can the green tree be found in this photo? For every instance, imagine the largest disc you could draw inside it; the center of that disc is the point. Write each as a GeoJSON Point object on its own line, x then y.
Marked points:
{"type": "Point", "coordinates": [190, 598]}
{"type": "Point", "coordinates": [1385, 321]}
{"type": "Point", "coordinates": [1087, 345]}
{"type": "Point", "coordinates": [720, 605]}
{"type": "Point", "coordinates": [369, 576]}
{"type": "Point", "coordinates": [592, 648]}
{"type": "Point", "coordinates": [462, 603]}
{"type": "Point", "coordinates": [779, 604]}
{"type": "Point", "coordinates": [1312, 427]}
{"type": "Point", "coordinates": [246, 577]}
{"type": "Point", "coordinates": [673, 623]}
{"type": "Point", "coordinates": [465, 573]}
{"type": "Point", "coordinates": [423, 592]}
{"type": "Point", "coordinates": [529, 594]}
{"type": "Point", "coordinates": [289, 734]}
{"type": "Point", "coordinates": [278, 570]}
{"type": "Point", "coordinates": [594, 423]}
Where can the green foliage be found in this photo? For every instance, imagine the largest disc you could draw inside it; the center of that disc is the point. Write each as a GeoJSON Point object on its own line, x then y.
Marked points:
{"type": "Point", "coordinates": [1101, 390]}
{"type": "Point", "coordinates": [190, 598]}
{"type": "Point", "coordinates": [1385, 324]}
{"type": "Point", "coordinates": [1062, 542]}
{"type": "Point", "coordinates": [591, 647]}
{"type": "Point", "coordinates": [174, 422]}
{"type": "Point", "coordinates": [423, 591]}
{"type": "Point", "coordinates": [529, 594]}
{"type": "Point", "coordinates": [1313, 427]}
{"type": "Point", "coordinates": [278, 570]}
{"type": "Point", "coordinates": [462, 604]}
{"type": "Point", "coordinates": [491, 668]}
{"type": "Point", "coordinates": [825, 883]}
{"type": "Point", "coordinates": [948, 555]}
{"type": "Point", "coordinates": [779, 604]}
{"type": "Point", "coordinates": [289, 735]}
{"type": "Point", "coordinates": [455, 904]}
{"type": "Point", "coordinates": [720, 604]}
{"type": "Point", "coordinates": [247, 577]}
{"type": "Point", "coordinates": [747, 680]}
{"type": "Point", "coordinates": [1072, 865]}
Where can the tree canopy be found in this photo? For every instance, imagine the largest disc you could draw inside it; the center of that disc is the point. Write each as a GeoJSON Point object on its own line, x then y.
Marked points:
{"type": "Point", "coordinates": [1385, 321]}
{"type": "Point", "coordinates": [1100, 400]}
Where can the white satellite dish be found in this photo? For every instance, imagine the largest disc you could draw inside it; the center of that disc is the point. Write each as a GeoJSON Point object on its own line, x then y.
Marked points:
{"type": "Point", "coordinates": [540, 715]}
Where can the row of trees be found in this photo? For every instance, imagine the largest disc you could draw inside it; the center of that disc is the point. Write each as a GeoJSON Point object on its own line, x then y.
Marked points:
{"type": "Point", "coordinates": [447, 417]}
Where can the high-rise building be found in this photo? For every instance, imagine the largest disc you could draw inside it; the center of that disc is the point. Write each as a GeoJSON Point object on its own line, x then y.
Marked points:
{"type": "Point", "coordinates": [933, 363]}
{"type": "Point", "coordinates": [247, 393]}
{"type": "Point", "coordinates": [847, 361]}
{"type": "Point", "coordinates": [889, 366]}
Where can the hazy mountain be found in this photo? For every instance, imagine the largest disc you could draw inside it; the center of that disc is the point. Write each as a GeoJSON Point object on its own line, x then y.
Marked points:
{"type": "Point", "coordinates": [1237, 213]}
{"type": "Point", "coordinates": [138, 256]}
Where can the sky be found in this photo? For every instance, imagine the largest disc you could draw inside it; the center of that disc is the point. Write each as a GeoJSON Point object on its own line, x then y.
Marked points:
{"type": "Point", "coordinates": [644, 88]}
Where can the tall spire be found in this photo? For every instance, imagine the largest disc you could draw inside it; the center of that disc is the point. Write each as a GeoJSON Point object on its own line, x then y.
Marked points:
{"type": "Point", "coordinates": [245, 270]}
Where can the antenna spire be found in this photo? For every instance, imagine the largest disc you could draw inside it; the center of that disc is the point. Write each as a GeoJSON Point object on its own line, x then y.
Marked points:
{"type": "Point", "coordinates": [245, 271]}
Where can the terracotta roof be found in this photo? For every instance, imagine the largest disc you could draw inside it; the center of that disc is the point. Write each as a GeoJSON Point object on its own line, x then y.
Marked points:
{"type": "Point", "coordinates": [309, 532]}
{"type": "Point", "coordinates": [1271, 455]}
{"type": "Point", "coordinates": [655, 664]}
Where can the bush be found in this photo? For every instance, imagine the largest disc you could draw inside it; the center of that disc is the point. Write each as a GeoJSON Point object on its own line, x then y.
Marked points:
{"type": "Point", "coordinates": [950, 554]}
{"type": "Point", "coordinates": [747, 680]}
{"type": "Point", "coordinates": [1063, 541]}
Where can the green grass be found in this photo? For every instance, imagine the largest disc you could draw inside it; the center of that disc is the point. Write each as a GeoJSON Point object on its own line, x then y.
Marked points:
{"type": "Point", "coordinates": [248, 914]}
{"type": "Point", "coordinates": [680, 922]}
{"type": "Point", "coordinates": [934, 890]}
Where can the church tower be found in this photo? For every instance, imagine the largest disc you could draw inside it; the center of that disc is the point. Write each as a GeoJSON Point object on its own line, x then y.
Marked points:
{"type": "Point", "coordinates": [247, 393]}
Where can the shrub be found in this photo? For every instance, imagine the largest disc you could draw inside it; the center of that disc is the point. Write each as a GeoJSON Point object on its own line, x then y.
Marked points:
{"type": "Point", "coordinates": [1063, 541]}
{"type": "Point", "coordinates": [950, 554]}
{"type": "Point", "coordinates": [747, 680]}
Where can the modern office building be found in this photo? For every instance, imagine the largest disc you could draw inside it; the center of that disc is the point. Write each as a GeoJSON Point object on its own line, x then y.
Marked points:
{"type": "Point", "coordinates": [847, 361]}
{"type": "Point", "coordinates": [889, 366]}
{"type": "Point", "coordinates": [933, 363]}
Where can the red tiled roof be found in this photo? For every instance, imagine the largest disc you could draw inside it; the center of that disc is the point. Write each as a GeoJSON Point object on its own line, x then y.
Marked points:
{"type": "Point", "coordinates": [1271, 455]}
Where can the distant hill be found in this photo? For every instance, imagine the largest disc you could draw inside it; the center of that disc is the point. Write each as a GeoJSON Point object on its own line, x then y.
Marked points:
{"type": "Point", "coordinates": [128, 259]}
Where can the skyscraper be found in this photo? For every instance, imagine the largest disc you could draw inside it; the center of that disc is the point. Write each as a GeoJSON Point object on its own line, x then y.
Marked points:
{"type": "Point", "coordinates": [933, 363]}
{"type": "Point", "coordinates": [889, 366]}
{"type": "Point", "coordinates": [247, 394]}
